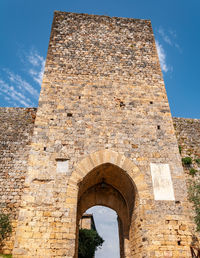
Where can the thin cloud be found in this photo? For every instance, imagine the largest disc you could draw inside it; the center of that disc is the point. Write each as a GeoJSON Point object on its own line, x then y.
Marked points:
{"type": "Point", "coordinates": [173, 33]}
{"type": "Point", "coordinates": [38, 63]}
{"type": "Point", "coordinates": [22, 88]}
{"type": "Point", "coordinates": [165, 37]}
{"type": "Point", "coordinates": [34, 58]}
{"type": "Point", "coordinates": [22, 84]}
{"type": "Point", "coordinates": [169, 38]}
{"type": "Point", "coordinates": [13, 95]}
{"type": "Point", "coordinates": [162, 57]}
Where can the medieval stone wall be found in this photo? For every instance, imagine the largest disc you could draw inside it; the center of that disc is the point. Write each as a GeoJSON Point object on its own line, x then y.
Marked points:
{"type": "Point", "coordinates": [188, 137]}
{"type": "Point", "coordinates": [103, 102]}
{"type": "Point", "coordinates": [15, 136]}
{"type": "Point", "coordinates": [102, 93]}
{"type": "Point", "coordinates": [16, 128]}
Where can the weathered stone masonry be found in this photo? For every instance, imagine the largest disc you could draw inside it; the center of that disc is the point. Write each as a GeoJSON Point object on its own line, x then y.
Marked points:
{"type": "Point", "coordinates": [16, 132]}
{"type": "Point", "coordinates": [16, 128]}
{"type": "Point", "coordinates": [103, 112]}
{"type": "Point", "coordinates": [15, 137]}
{"type": "Point", "coordinates": [188, 136]}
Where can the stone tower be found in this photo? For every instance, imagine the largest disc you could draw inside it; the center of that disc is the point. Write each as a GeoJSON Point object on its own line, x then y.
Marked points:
{"type": "Point", "coordinates": [103, 135]}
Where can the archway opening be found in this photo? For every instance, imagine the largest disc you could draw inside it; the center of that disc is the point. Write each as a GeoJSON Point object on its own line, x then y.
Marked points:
{"type": "Point", "coordinates": [106, 225]}
{"type": "Point", "coordinates": [110, 186]}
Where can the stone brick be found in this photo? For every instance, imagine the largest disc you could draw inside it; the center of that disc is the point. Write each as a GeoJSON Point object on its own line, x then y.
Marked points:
{"type": "Point", "coordinates": [103, 107]}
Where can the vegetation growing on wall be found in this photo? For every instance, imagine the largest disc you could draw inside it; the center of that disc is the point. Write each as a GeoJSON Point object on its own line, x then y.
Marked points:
{"type": "Point", "coordinates": [193, 171]}
{"type": "Point", "coordinates": [197, 161]}
{"type": "Point", "coordinates": [194, 185]}
{"type": "Point", "coordinates": [194, 197]}
{"type": "Point", "coordinates": [187, 161]}
{"type": "Point", "coordinates": [5, 228]}
{"type": "Point", "coordinates": [194, 188]}
{"type": "Point", "coordinates": [89, 240]}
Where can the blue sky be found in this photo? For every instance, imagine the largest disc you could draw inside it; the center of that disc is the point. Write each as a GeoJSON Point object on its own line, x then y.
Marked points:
{"type": "Point", "coordinates": [25, 29]}
{"type": "Point", "coordinates": [107, 227]}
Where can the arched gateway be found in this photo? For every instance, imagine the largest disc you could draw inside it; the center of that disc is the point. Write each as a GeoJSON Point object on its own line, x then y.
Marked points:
{"type": "Point", "coordinates": [107, 178]}
{"type": "Point", "coordinates": [103, 135]}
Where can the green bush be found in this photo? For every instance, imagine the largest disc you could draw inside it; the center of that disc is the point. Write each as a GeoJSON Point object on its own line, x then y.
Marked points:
{"type": "Point", "coordinates": [180, 149]}
{"type": "Point", "coordinates": [187, 161]}
{"type": "Point", "coordinates": [5, 227]}
{"type": "Point", "coordinates": [193, 171]}
{"type": "Point", "coordinates": [89, 240]}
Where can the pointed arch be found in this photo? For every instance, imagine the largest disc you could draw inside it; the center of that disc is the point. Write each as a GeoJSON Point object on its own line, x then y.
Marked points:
{"type": "Point", "coordinates": [123, 180]}
{"type": "Point", "coordinates": [98, 158]}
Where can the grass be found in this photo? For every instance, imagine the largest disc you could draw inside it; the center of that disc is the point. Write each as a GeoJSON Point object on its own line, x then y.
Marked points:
{"type": "Point", "coordinates": [6, 255]}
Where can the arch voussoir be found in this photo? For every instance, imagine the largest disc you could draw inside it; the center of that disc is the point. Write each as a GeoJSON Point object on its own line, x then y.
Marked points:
{"type": "Point", "coordinates": [128, 166]}
{"type": "Point", "coordinates": [86, 165]}
{"type": "Point", "coordinates": [97, 158]}
{"type": "Point", "coordinates": [114, 158]}
{"type": "Point", "coordinates": [102, 157]}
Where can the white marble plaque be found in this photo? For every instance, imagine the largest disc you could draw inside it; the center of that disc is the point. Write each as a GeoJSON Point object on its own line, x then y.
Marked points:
{"type": "Point", "coordinates": [62, 166]}
{"type": "Point", "coordinates": [162, 182]}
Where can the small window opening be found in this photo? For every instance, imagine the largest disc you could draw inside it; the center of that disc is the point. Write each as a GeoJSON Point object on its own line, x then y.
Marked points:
{"type": "Point", "coordinates": [158, 127]}
{"type": "Point", "coordinates": [144, 239]}
{"type": "Point", "coordinates": [69, 114]}
{"type": "Point", "coordinates": [122, 104]}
